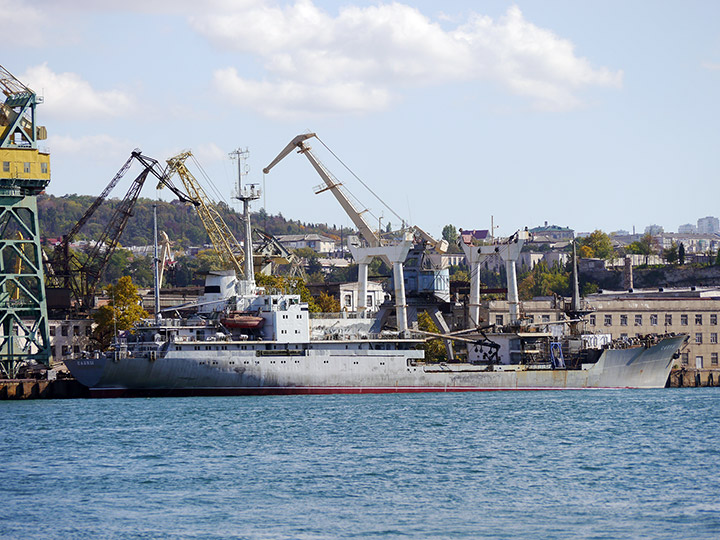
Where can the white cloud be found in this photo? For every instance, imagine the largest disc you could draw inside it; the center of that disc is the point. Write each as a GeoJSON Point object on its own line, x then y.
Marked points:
{"type": "Point", "coordinates": [364, 57]}
{"type": "Point", "coordinates": [712, 66]}
{"type": "Point", "coordinates": [210, 152]}
{"type": "Point", "coordinates": [67, 95]}
{"type": "Point", "coordinates": [22, 22]}
{"type": "Point", "coordinates": [290, 98]}
{"type": "Point", "coordinates": [99, 147]}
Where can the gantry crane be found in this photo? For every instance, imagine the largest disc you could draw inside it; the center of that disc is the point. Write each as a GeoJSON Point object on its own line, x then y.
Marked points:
{"type": "Point", "coordinates": [227, 247]}
{"type": "Point", "coordinates": [24, 173]}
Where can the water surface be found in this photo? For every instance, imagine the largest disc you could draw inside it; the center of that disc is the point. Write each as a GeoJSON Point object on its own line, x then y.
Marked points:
{"type": "Point", "coordinates": [558, 464]}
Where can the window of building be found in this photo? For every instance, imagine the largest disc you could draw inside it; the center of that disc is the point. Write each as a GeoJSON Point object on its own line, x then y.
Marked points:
{"type": "Point", "coordinates": [52, 330]}
{"type": "Point", "coordinates": [369, 300]}
{"type": "Point", "coordinates": [499, 320]}
{"type": "Point", "coordinates": [623, 320]}
{"type": "Point", "coordinates": [714, 359]}
{"type": "Point", "coordinates": [6, 166]}
{"type": "Point", "coordinates": [668, 319]}
{"type": "Point", "coordinates": [608, 320]}
{"type": "Point", "coordinates": [43, 168]}
{"type": "Point", "coordinates": [698, 318]}
{"type": "Point", "coordinates": [53, 353]}
{"type": "Point", "coordinates": [713, 337]}
{"type": "Point", "coordinates": [348, 300]}
{"type": "Point", "coordinates": [623, 336]}
{"type": "Point", "coordinates": [699, 362]}
{"type": "Point", "coordinates": [546, 318]}
{"type": "Point", "coordinates": [88, 330]}
{"type": "Point", "coordinates": [654, 319]}
{"type": "Point", "coordinates": [76, 349]}
{"type": "Point", "coordinates": [26, 166]}
{"type": "Point", "coordinates": [713, 318]}
{"type": "Point", "coordinates": [684, 320]}
{"type": "Point", "coordinates": [531, 318]}
{"type": "Point", "coordinates": [698, 337]}
{"type": "Point", "coordinates": [685, 358]}
{"type": "Point", "coordinates": [64, 350]}
{"type": "Point", "coordinates": [76, 330]}
{"type": "Point", "coordinates": [592, 320]}
{"type": "Point", "coordinates": [64, 330]}
{"type": "Point", "coordinates": [638, 320]}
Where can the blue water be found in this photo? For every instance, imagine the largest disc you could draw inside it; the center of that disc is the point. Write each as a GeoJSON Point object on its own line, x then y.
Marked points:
{"type": "Point", "coordinates": [572, 464]}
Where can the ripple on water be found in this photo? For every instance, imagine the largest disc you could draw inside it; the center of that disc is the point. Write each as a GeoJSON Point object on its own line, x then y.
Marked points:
{"type": "Point", "coordinates": [601, 464]}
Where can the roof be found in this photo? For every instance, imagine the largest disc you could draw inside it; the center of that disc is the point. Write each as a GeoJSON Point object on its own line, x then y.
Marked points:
{"type": "Point", "coordinates": [474, 234]}
{"type": "Point", "coordinates": [550, 228]}
{"type": "Point", "coordinates": [312, 237]}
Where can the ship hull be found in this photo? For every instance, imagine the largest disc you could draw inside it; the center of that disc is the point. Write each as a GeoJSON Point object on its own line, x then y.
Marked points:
{"type": "Point", "coordinates": [352, 368]}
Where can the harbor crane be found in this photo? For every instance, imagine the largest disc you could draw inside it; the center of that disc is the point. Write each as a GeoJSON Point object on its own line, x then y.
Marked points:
{"type": "Point", "coordinates": [395, 252]}
{"type": "Point", "coordinates": [227, 247]}
{"type": "Point", "coordinates": [332, 184]}
{"type": "Point", "coordinates": [82, 277]}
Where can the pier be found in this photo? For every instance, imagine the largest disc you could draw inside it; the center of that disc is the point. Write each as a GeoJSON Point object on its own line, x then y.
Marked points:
{"type": "Point", "coordinates": [692, 378]}
{"type": "Point", "coordinates": [42, 389]}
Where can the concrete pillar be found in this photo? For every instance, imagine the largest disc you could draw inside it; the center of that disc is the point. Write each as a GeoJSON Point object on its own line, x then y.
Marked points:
{"type": "Point", "coordinates": [362, 285]}
{"type": "Point", "coordinates": [512, 294]}
{"type": "Point", "coordinates": [400, 305]}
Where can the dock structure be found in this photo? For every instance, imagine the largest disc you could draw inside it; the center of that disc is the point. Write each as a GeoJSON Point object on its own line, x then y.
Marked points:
{"type": "Point", "coordinates": [24, 173]}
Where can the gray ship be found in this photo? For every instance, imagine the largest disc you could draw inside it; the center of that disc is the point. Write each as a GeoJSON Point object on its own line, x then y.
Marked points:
{"type": "Point", "coordinates": [247, 340]}
{"type": "Point", "coordinates": [269, 344]}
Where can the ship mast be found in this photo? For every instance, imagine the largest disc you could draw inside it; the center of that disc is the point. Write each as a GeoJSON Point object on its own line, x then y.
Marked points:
{"type": "Point", "coordinates": [250, 192]}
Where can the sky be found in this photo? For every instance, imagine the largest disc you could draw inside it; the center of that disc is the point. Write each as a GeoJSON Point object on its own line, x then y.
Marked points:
{"type": "Point", "coordinates": [585, 114]}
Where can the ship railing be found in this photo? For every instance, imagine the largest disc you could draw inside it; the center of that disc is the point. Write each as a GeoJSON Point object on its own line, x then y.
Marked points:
{"type": "Point", "coordinates": [343, 315]}
{"type": "Point", "coordinates": [370, 336]}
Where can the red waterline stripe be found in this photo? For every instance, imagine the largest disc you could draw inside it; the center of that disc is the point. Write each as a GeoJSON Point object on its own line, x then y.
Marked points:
{"type": "Point", "coordinates": [295, 390]}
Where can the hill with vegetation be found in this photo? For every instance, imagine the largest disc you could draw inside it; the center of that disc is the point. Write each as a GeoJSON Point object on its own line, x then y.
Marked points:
{"type": "Point", "coordinates": [58, 215]}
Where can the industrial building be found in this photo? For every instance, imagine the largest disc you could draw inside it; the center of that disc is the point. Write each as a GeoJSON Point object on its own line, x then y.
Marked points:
{"type": "Point", "coordinates": [693, 311]}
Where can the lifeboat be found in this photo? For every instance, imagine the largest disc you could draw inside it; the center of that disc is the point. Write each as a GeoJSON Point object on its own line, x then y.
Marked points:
{"type": "Point", "coordinates": [242, 320]}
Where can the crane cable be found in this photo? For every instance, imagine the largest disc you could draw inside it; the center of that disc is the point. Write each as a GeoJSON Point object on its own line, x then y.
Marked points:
{"type": "Point", "coordinates": [359, 180]}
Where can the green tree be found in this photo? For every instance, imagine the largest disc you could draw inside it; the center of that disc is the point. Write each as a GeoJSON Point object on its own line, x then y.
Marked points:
{"type": "Point", "coordinates": [305, 252]}
{"type": "Point", "coordinates": [671, 254]}
{"type": "Point", "coordinates": [434, 348]}
{"type": "Point", "coordinates": [681, 254]}
{"type": "Point", "coordinates": [122, 313]}
{"type": "Point", "coordinates": [460, 275]}
{"type": "Point", "coordinates": [599, 245]}
{"type": "Point", "coordinates": [544, 281]}
{"type": "Point", "coordinates": [647, 245]}
{"type": "Point", "coordinates": [450, 233]}
{"type": "Point", "coordinates": [327, 303]}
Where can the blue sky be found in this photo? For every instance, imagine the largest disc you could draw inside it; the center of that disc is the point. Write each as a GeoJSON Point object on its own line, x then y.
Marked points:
{"type": "Point", "coordinates": [581, 113]}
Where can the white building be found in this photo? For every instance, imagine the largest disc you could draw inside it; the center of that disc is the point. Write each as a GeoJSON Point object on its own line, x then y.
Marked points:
{"type": "Point", "coordinates": [708, 225]}
{"type": "Point", "coordinates": [316, 242]}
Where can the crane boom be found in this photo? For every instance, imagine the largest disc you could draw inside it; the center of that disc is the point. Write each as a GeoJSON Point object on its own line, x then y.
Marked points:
{"type": "Point", "coordinates": [227, 247]}
{"type": "Point", "coordinates": [370, 236]}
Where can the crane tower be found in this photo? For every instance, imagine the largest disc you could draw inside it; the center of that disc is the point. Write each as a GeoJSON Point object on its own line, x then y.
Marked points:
{"type": "Point", "coordinates": [24, 173]}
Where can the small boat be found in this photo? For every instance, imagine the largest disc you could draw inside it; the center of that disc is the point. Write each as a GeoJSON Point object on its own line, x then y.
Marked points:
{"type": "Point", "coordinates": [239, 319]}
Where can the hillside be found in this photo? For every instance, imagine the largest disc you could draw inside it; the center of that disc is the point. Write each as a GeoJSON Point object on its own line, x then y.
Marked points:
{"type": "Point", "coordinates": [59, 214]}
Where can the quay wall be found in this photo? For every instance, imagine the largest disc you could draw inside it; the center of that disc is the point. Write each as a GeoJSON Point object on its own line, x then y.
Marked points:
{"type": "Point", "coordinates": [42, 389]}
{"type": "Point", "coordinates": [691, 378]}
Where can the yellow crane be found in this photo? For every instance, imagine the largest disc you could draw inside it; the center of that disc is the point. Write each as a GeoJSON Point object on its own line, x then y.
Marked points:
{"type": "Point", "coordinates": [227, 247]}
